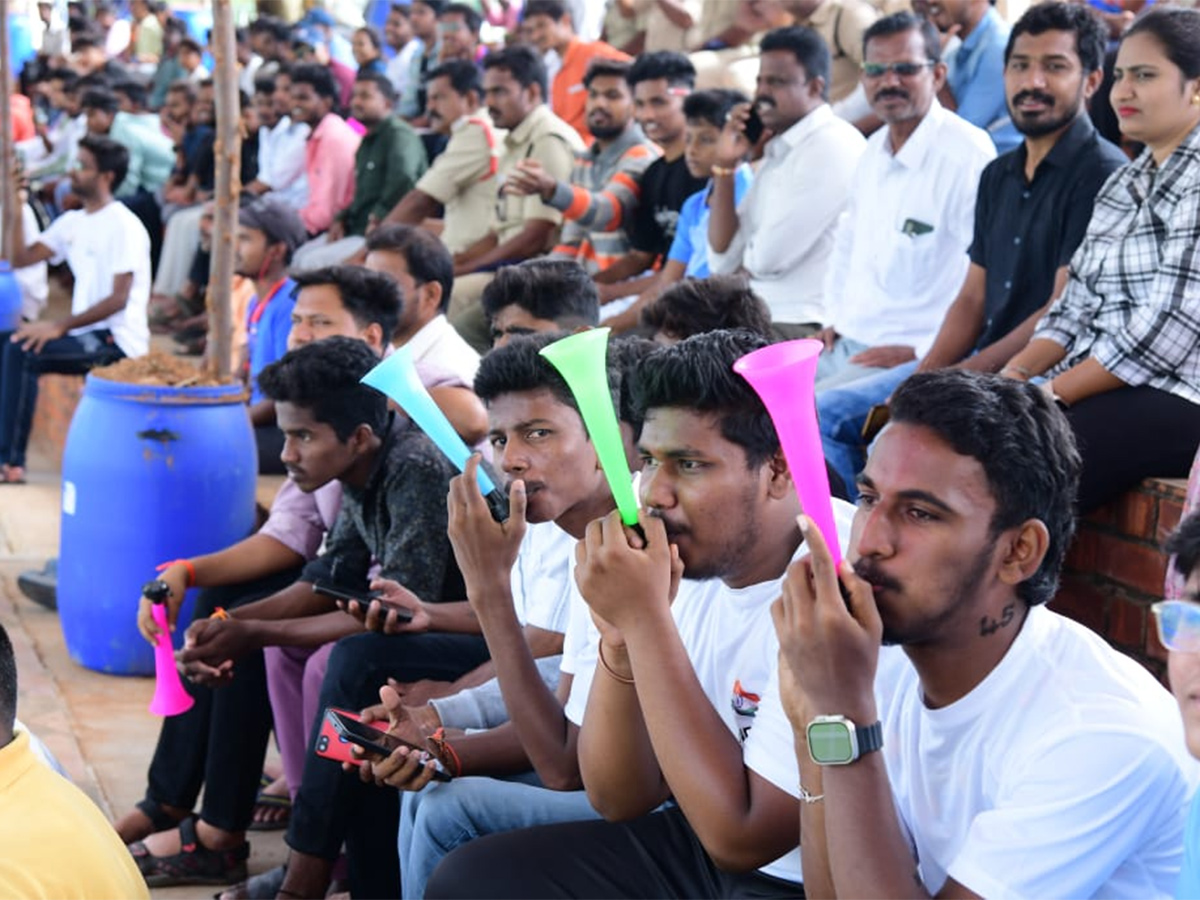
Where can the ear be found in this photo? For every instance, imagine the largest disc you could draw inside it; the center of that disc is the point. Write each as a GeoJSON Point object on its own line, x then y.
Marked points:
{"type": "Point", "coordinates": [1092, 83]}
{"type": "Point", "coordinates": [779, 483]}
{"type": "Point", "coordinates": [940, 70]}
{"type": "Point", "coordinates": [1024, 551]}
{"type": "Point", "coordinates": [361, 437]}
{"type": "Point", "coordinates": [373, 335]}
{"type": "Point", "coordinates": [816, 87]}
{"type": "Point", "coordinates": [429, 296]}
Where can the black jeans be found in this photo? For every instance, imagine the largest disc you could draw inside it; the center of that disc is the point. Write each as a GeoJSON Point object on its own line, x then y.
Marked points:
{"type": "Point", "coordinates": [333, 806]}
{"type": "Point", "coordinates": [220, 742]}
{"type": "Point", "coordinates": [72, 354]}
{"type": "Point", "coordinates": [654, 856]}
{"type": "Point", "coordinates": [1130, 434]}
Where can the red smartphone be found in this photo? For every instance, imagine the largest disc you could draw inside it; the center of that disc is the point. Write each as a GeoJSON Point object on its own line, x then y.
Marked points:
{"type": "Point", "coordinates": [332, 745]}
{"type": "Point", "coordinates": [378, 741]}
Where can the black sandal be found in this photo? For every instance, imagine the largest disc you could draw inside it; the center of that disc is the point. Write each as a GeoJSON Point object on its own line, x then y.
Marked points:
{"type": "Point", "coordinates": [160, 819]}
{"type": "Point", "coordinates": [193, 864]}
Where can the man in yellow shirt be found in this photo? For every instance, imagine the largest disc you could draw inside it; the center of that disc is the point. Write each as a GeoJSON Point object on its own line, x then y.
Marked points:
{"type": "Point", "coordinates": [55, 842]}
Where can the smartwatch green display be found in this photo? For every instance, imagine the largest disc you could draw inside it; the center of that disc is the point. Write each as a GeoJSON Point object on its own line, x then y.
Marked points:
{"type": "Point", "coordinates": [836, 741]}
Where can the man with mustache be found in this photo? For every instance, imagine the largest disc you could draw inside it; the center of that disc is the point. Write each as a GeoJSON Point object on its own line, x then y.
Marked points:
{"type": "Point", "coordinates": [1000, 749]}
{"type": "Point", "coordinates": [606, 182]}
{"type": "Point", "coordinates": [462, 178]}
{"type": "Point", "coordinates": [782, 231]}
{"type": "Point", "coordinates": [901, 249]}
{"type": "Point", "coordinates": [1031, 212]}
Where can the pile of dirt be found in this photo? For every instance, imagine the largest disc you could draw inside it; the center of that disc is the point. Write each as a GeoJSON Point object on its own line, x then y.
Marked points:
{"type": "Point", "coordinates": [159, 370]}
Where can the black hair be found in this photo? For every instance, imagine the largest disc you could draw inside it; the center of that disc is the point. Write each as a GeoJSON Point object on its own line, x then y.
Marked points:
{"type": "Point", "coordinates": [552, 9]}
{"type": "Point", "coordinates": [470, 17]}
{"type": "Point", "coordinates": [245, 101]}
{"type": "Point", "coordinates": [1177, 30]}
{"type": "Point", "coordinates": [518, 367]}
{"type": "Point", "coordinates": [86, 39]}
{"type": "Point", "coordinates": [676, 68]}
{"type": "Point", "coordinates": [462, 75]}
{"type": "Point", "coordinates": [241, 34]}
{"type": "Point", "coordinates": [189, 44]}
{"type": "Point", "coordinates": [319, 78]}
{"type": "Point", "coordinates": [1091, 33]}
{"type": "Point", "coordinates": [372, 34]}
{"type": "Point", "coordinates": [206, 83]}
{"type": "Point", "coordinates": [697, 305]}
{"type": "Point", "coordinates": [185, 87]}
{"type": "Point", "coordinates": [523, 63]}
{"type": "Point", "coordinates": [67, 76]}
{"type": "Point", "coordinates": [110, 157]}
{"type": "Point", "coordinates": [438, 6]}
{"type": "Point", "coordinates": [382, 83]}
{"type": "Point", "coordinates": [401, 8]}
{"type": "Point", "coordinates": [427, 258]}
{"type": "Point", "coordinates": [370, 297]}
{"type": "Point", "coordinates": [272, 27]}
{"type": "Point", "coordinates": [601, 67]}
{"type": "Point", "coordinates": [626, 353]}
{"type": "Point", "coordinates": [712, 106]}
{"type": "Point", "coordinates": [808, 47]}
{"type": "Point", "coordinates": [1184, 545]}
{"type": "Point", "coordinates": [324, 378]}
{"type": "Point", "coordinates": [264, 84]}
{"type": "Point", "coordinates": [1022, 440]}
{"type": "Point", "coordinates": [102, 99]}
{"type": "Point", "coordinates": [559, 290]}
{"type": "Point", "coordinates": [902, 22]}
{"type": "Point", "coordinates": [8, 682]}
{"type": "Point", "coordinates": [697, 374]}
{"type": "Point", "coordinates": [134, 91]}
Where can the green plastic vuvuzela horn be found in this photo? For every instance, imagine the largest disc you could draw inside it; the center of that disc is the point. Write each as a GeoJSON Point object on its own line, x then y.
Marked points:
{"type": "Point", "coordinates": [582, 360]}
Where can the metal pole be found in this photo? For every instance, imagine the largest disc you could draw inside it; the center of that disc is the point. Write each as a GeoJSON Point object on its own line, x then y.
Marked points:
{"type": "Point", "coordinates": [6, 142]}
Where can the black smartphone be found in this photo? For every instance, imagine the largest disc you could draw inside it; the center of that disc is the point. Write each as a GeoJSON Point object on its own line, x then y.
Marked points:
{"type": "Point", "coordinates": [754, 126]}
{"type": "Point", "coordinates": [371, 738]}
{"type": "Point", "coordinates": [338, 592]}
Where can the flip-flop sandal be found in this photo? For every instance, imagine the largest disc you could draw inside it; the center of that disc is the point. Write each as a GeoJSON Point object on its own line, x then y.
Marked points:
{"type": "Point", "coordinates": [272, 802]}
{"type": "Point", "coordinates": [193, 864]}
{"type": "Point", "coordinates": [263, 886]}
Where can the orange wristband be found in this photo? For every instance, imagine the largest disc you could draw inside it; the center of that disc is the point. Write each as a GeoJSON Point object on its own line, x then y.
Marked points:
{"type": "Point", "coordinates": [186, 563]}
{"type": "Point", "coordinates": [219, 613]}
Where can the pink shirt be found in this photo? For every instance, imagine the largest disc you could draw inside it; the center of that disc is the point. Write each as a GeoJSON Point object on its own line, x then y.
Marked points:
{"type": "Point", "coordinates": [329, 162]}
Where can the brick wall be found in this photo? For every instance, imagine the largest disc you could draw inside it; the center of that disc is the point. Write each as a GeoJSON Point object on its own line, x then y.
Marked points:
{"type": "Point", "coordinates": [1115, 568]}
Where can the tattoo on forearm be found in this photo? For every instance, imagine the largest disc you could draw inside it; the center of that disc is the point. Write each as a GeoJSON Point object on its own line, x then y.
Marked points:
{"type": "Point", "coordinates": [991, 626]}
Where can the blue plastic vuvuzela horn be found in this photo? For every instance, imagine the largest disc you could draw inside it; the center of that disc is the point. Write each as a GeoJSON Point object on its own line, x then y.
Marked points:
{"type": "Point", "coordinates": [396, 377]}
{"type": "Point", "coordinates": [582, 360]}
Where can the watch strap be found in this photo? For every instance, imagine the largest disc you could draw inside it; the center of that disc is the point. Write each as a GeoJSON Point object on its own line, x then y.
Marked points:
{"type": "Point", "coordinates": [870, 738]}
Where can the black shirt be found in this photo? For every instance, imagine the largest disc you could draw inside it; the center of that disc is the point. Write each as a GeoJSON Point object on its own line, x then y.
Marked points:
{"type": "Point", "coordinates": [665, 185]}
{"type": "Point", "coordinates": [1025, 232]}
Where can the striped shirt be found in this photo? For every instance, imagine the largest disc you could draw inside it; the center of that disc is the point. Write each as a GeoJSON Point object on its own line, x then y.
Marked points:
{"type": "Point", "coordinates": [602, 196]}
{"type": "Point", "coordinates": [1132, 301]}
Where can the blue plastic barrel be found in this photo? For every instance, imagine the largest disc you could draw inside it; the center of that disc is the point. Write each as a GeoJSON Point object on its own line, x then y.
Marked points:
{"type": "Point", "coordinates": [10, 298]}
{"type": "Point", "coordinates": [150, 474]}
{"type": "Point", "coordinates": [20, 41]}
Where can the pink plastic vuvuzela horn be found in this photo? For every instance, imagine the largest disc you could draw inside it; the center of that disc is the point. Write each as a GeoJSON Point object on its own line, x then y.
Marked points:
{"type": "Point", "coordinates": [170, 697]}
{"type": "Point", "coordinates": [784, 376]}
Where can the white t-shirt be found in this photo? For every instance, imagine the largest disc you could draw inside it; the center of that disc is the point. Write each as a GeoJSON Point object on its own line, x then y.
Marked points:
{"type": "Point", "coordinates": [1063, 774]}
{"type": "Point", "coordinates": [542, 577]}
{"type": "Point", "coordinates": [98, 247]}
{"type": "Point", "coordinates": [730, 639]}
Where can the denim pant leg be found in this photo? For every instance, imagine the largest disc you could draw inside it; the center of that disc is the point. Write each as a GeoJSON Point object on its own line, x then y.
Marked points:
{"type": "Point", "coordinates": [19, 373]}
{"type": "Point", "coordinates": [841, 413]}
{"type": "Point", "coordinates": [445, 816]}
{"type": "Point", "coordinates": [483, 706]}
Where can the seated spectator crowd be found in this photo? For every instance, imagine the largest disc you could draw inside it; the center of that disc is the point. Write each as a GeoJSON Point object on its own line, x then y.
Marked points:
{"type": "Point", "coordinates": [989, 229]}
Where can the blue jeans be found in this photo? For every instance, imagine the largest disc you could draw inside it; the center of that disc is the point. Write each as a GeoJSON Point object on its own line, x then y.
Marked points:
{"type": "Point", "coordinates": [841, 413]}
{"type": "Point", "coordinates": [445, 816]}
{"type": "Point", "coordinates": [73, 354]}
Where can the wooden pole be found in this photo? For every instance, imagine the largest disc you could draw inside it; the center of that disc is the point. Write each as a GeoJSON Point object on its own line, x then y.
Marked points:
{"type": "Point", "coordinates": [6, 143]}
{"type": "Point", "coordinates": [228, 187]}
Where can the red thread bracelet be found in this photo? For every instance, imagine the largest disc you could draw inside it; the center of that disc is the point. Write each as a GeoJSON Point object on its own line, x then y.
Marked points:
{"type": "Point", "coordinates": [187, 563]}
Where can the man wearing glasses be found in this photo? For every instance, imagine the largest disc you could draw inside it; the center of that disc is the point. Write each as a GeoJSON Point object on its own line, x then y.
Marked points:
{"type": "Point", "coordinates": [900, 252]}
{"type": "Point", "coordinates": [1178, 624]}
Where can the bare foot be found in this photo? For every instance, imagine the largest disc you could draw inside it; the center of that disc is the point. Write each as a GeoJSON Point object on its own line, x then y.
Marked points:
{"type": "Point", "coordinates": [136, 825]}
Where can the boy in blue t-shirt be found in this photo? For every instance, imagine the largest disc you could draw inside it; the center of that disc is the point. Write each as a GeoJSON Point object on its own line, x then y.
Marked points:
{"type": "Point", "coordinates": [706, 112]}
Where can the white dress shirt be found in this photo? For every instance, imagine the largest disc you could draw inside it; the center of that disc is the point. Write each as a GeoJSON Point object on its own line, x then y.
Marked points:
{"type": "Point", "coordinates": [900, 252]}
{"type": "Point", "coordinates": [437, 347]}
{"type": "Point", "coordinates": [784, 239]}
{"type": "Point", "coordinates": [281, 161]}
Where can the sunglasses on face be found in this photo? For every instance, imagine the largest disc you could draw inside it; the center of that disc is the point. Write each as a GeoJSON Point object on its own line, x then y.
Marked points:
{"type": "Point", "coordinates": [1178, 623]}
{"type": "Point", "coordinates": [903, 69]}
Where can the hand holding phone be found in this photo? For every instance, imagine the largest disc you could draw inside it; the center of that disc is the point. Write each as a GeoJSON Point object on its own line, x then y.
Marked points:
{"type": "Point", "coordinates": [362, 598]}
{"type": "Point", "coordinates": [382, 743]}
